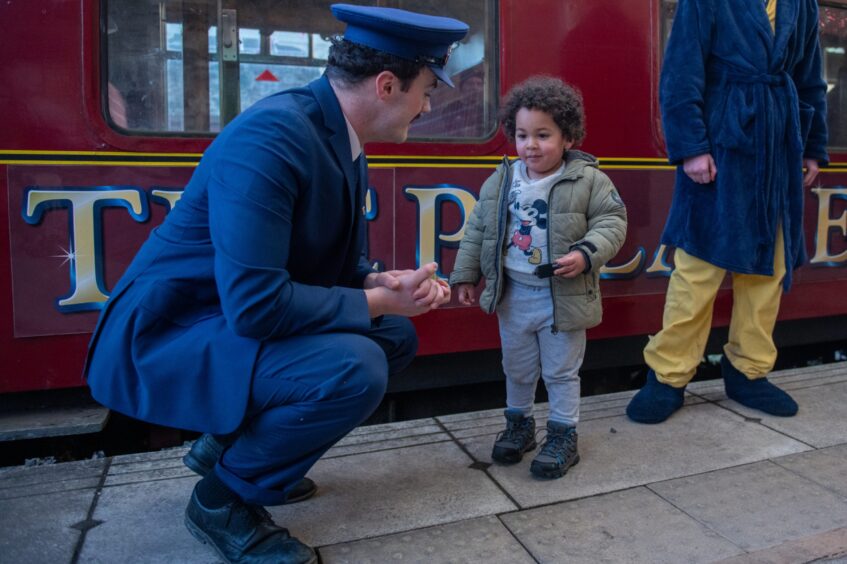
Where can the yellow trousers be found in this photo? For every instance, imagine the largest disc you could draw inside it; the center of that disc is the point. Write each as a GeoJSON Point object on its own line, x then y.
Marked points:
{"type": "Point", "coordinates": [675, 352]}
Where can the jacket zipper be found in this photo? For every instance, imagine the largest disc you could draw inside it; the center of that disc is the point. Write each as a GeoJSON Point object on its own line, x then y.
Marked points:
{"type": "Point", "coordinates": [555, 328]}
{"type": "Point", "coordinates": [501, 234]}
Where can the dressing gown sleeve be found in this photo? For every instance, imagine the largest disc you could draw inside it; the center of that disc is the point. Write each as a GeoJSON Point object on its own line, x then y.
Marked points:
{"type": "Point", "coordinates": [683, 82]}
{"type": "Point", "coordinates": [811, 89]}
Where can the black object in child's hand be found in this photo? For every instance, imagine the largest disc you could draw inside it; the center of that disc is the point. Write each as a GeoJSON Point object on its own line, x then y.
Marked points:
{"type": "Point", "coordinates": [546, 270]}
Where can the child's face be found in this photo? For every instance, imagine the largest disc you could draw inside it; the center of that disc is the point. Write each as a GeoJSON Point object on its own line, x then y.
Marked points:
{"type": "Point", "coordinates": [540, 142]}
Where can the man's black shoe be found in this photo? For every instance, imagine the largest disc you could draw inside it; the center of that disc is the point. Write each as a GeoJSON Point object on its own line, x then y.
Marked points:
{"type": "Point", "coordinates": [206, 451]}
{"type": "Point", "coordinates": [204, 454]}
{"type": "Point", "coordinates": [244, 534]}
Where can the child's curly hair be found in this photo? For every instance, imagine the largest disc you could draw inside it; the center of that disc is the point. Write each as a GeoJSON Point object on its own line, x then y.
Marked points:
{"type": "Point", "coordinates": [549, 95]}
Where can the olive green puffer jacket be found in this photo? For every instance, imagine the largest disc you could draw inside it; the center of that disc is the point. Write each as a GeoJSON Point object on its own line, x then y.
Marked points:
{"type": "Point", "coordinates": [584, 212]}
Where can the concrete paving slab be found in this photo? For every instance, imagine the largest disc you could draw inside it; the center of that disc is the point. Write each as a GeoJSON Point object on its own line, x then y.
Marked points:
{"type": "Point", "coordinates": [825, 467]}
{"type": "Point", "coordinates": [758, 505]}
{"type": "Point", "coordinates": [821, 372]}
{"type": "Point", "coordinates": [149, 476]}
{"type": "Point", "coordinates": [602, 402]}
{"type": "Point", "coordinates": [829, 547]}
{"type": "Point", "coordinates": [821, 393]}
{"type": "Point", "coordinates": [384, 436]}
{"type": "Point", "coordinates": [476, 540]}
{"type": "Point", "coordinates": [160, 465]}
{"type": "Point", "coordinates": [407, 491]}
{"type": "Point", "coordinates": [145, 466]}
{"type": "Point", "coordinates": [40, 528]}
{"type": "Point", "coordinates": [629, 526]}
{"type": "Point", "coordinates": [449, 420]}
{"type": "Point", "coordinates": [389, 491]}
{"type": "Point", "coordinates": [144, 523]}
{"type": "Point", "coordinates": [52, 422]}
{"type": "Point", "coordinates": [491, 422]}
{"type": "Point", "coordinates": [175, 453]}
{"type": "Point", "coordinates": [792, 379]}
{"type": "Point", "coordinates": [617, 453]}
{"type": "Point", "coordinates": [821, 420]}
{"type": "Point", "coordinates": [390, 427]}
{"type": "Point", "coordinates": [814, 376]}
{"type": "Point", "coordinates": [22, 481]}
{"type": "Point", "coordinates": [347, 450]}
{"type": "Point", "coordinates": [431, 428]}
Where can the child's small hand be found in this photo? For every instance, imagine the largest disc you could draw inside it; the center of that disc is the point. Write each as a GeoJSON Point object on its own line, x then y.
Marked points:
{"type": "Point", "coordinates": [466, 294]}
{"type": "Point", "coordinates": [432, 291]}
{"type": "Point", "coordinates": [571, 265]}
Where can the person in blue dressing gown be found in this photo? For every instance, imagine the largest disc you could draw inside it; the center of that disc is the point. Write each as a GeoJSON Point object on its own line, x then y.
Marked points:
{"type": "Point", "coordinates": [744, 112]}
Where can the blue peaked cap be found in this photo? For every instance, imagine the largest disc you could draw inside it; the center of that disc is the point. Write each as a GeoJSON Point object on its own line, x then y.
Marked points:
{"type": "Point", "coordinates": [408, 35]}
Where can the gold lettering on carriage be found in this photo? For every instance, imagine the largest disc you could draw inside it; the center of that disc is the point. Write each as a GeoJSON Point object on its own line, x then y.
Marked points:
{"type": "Point", "coordinates": [826, 225]}
{"type": "Point", "coordinates": [88, 291]}
{"type": "Point", "coordinates": [82, 252]}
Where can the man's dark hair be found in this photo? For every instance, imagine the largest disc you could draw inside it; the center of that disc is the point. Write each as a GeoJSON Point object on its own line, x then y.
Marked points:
{"type": "Point", "coordinates": [552, 96]}
{"type": "Point", "coordinates": [351, 63]}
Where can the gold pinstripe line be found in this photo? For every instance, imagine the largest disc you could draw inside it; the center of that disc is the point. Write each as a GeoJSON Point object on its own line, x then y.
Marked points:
{"type": "Point", "coordinates": [390, 161]}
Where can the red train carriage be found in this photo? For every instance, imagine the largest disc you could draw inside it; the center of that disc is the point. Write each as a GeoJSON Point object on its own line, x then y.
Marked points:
{"type": "Point", "coordinates": [108, 106]}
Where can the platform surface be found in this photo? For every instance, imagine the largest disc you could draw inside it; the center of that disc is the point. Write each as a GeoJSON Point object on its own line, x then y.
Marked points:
{"type": "Point", "coordinates": [715, 483]}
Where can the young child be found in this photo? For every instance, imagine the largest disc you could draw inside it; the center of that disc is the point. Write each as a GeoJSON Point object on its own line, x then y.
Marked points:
{"type": "Point", "coordinates": [541, 230]}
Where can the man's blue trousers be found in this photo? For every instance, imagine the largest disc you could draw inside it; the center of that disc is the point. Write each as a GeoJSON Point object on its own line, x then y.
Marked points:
{"type": "Point", "coordinates": [307, 393]}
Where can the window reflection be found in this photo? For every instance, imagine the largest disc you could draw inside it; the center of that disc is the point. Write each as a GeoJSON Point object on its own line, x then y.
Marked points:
{"type": "Point", "coordinates": [466, 114]}
{"type": "Point", "coordinates": [164, 73]}
{"type": "Point", "coordinates": [833, 42]}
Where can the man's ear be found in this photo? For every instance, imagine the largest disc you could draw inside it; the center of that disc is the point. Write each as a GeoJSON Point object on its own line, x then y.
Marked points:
{"type": "Point", "coordinates": [386, 84]}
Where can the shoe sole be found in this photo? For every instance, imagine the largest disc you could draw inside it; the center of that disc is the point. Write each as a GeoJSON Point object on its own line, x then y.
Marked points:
{"type": "Point", "coordinates": [304, 496]}
{"type": "Point", "coordinates": [646, 420]}
{"type": "Point", "coordinates": [553, 474]}
{"type": "Point", "coordinates": [775, 413]}
{"type": "Point", "coordinates": [198, 534]}
{"type": "Point", "coordinates": [514, 459]}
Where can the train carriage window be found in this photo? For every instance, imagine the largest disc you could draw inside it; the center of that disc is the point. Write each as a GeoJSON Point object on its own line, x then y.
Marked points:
{"type": "Point", "coordinates": [833, 24]}
{"type": "Point", "coordinates": [668, 11]}
{"type": "Point", "coordinates": [470, 109]}
{"type": "Point", "coordinates": [169, 71]}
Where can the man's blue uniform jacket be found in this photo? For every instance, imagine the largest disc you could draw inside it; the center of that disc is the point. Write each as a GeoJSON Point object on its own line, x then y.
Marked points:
{"type": "Point", "coordinates": [756, 101]}
{"type": "Point", "coordinates": [266, 243]}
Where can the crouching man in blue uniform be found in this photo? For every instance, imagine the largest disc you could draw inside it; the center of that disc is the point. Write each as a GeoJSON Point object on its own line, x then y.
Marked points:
{"type": "Point", "coordinates": [251, 314]}
{"type": "Point", "coordinates": [744, 111]}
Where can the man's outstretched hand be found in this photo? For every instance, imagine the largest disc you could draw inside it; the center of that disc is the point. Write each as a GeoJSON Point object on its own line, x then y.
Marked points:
{"type": "Point", "coordinates": [406, 292]}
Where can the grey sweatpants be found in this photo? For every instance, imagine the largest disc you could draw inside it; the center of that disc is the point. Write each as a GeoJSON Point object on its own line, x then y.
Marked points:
{"type": "Point", "coordinates": [531, 349]}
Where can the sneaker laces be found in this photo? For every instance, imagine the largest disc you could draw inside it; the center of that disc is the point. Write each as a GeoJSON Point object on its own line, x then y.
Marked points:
{"type": "Point", "coordinates": [557, 445]}
{"type": "Point", "coordinates": [516, 431]}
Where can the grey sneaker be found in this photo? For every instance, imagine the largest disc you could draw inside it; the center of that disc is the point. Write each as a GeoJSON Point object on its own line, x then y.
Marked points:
{"type": "Point", "coordinates": [558, 453]}
{"type": "Point", "coordinates": [516, 439]}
